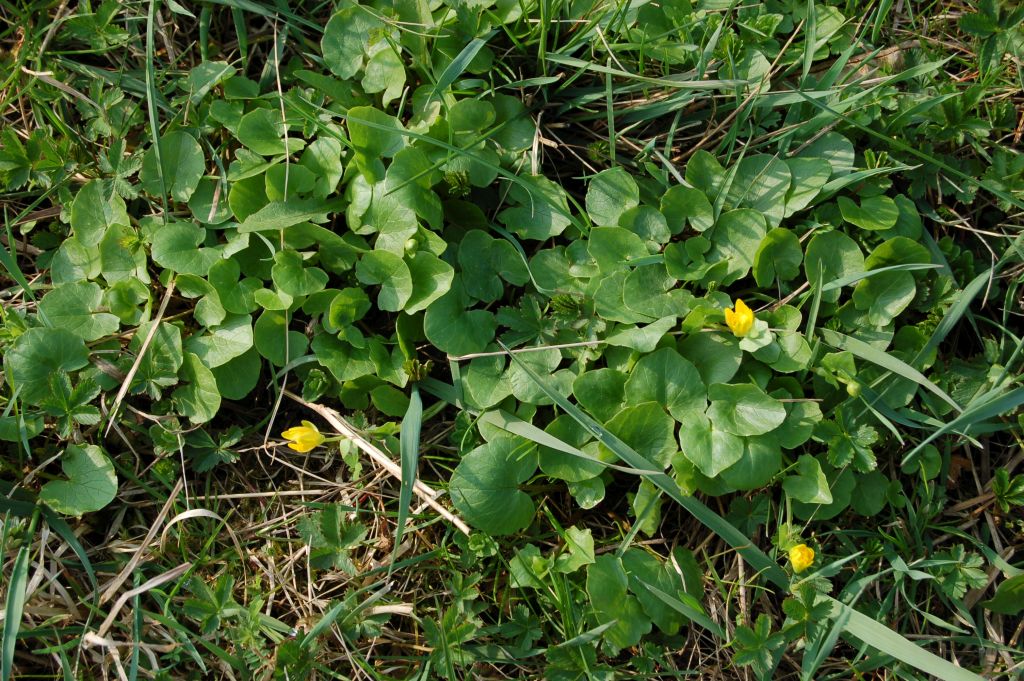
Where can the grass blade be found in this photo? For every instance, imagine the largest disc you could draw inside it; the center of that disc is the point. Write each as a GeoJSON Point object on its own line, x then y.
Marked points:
{"type": "Point", "coordinates": [884, 639]}
{"type": "Point", "coordinates": [16, 596]}
{"type": "Point", "coordinates": [986, 408]}
{"type": "Point", "coordinates": [409, 446]}
{"type": "Point", "coordinates": [886, 361]}
{"type": "Point", "coordinates": [686, 610]}
{"type": "Point", "coordinates": [854, 278]}
{"type": "Point", "coordinates": [458, 65]}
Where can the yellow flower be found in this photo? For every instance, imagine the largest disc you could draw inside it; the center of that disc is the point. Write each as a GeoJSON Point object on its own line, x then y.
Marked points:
{"type": "Point", "coordinates": [801, 556]}
{"type": "Point", "coordinates": [303, 438]}
{"type": "Point", "coordinates": [741, 320]}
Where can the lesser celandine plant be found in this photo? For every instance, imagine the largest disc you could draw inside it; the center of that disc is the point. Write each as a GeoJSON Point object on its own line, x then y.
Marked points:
{"type": "Point", "coordinates": [382, 207]}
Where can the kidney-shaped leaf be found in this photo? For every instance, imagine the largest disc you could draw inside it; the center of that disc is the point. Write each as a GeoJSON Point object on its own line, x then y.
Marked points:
{"type": "Point", "coordinates": [610, 194]}
{"type": "Point", "coordinates": [37, 354]}
{"type": "Point", "coordinates": [606, 585]}
{"type": "Point", "coordinates": [744, 409]}
{"type": "Point", "coordinates": [808, 483]}
{"type": "Point", "coordinates": [393, 275]}
{"type": "Point", "coordinates": [670, 380]}
{"type": "Point", "coordinates": [90, 486]}
{"type": "Point", "coordinates": [485, 486]}
{"type": "Point", "coordinates": [181, 166]}
{"type": "Point", "coordinates": [73, 307]}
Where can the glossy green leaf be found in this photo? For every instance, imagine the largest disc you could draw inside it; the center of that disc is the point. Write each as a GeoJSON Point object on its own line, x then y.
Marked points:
{"type": "Point", "coordinates": [454, 329]}
{"type": "Point", "coordinates": [293, 277]}
{"type": "Point", "coordinates": [385, 73]}
{"type": "Point", "coordinates": [807, 483]}
{"type": "Point", "coordinates": [874, 213]}
{"type": "Point", "coordinates": [391, 273]}
{"type": "Point", "coordinates": [177, 247]}
{"type": "Point", "coordinates": [541, 209]}
{"type": "Point", "coordinates": [809, 175]}
{"type": "Point", "coordinates": [709, 448]}
{"type": "Point", "coordinates": [885, 295]}
{"type": "Point", "coordinates": [1009, 597]}
{"type": "Point", "coordinates": [667, 378]}
{"type": "Point", "coordinates": [96, 207]}
{"type": "Point", "coordinates": [345, 40]}
{"type": "Point", "coordinates": [199, 399]}
{"type": "Point", "coordinates": [829, 256]}
{"type": "Point", "coordinates": [778, 257]}
{"type": "Point", "coordinates": [278, 215]}
{"type": "Point", "coordinates": [275, 341]}
{"type": "Point", "coordinates": [647, 429]}
{"type": "Point", "coordinates": [762, 183]}
{"type": "Point", "coordinates": [607, 587]}
{"type": "Point", "coordinates": [221, 344]}
{"type": "Point", "coordinates": [744, 409]}
{"type": "Point", "coordinates": [685, 205]}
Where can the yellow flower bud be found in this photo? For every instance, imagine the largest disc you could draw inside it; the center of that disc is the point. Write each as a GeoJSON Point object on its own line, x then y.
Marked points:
{"type": "Point", "coordinates": [801, 556]}
{"type": "Point", "coordinates": [303, 438]}
{"type": "Point", "coordinates": [740, 320]}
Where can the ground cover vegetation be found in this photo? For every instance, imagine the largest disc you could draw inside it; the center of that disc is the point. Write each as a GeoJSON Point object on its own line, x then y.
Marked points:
{"type": "Point", "coordinates": [564, 339]}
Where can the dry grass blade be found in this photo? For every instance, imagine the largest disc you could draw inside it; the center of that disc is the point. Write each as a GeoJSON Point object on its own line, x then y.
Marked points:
{"type": "Point", "coordinates": [123, 390]}
{"type": "Point", "coordinates": [163, 578]}
{"type": "Point", "coordinates": [202, 513]}
{"type": "Point", "coordinates": [116, 583]}
{"type": "Point", "coordinates": [420, 489]}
